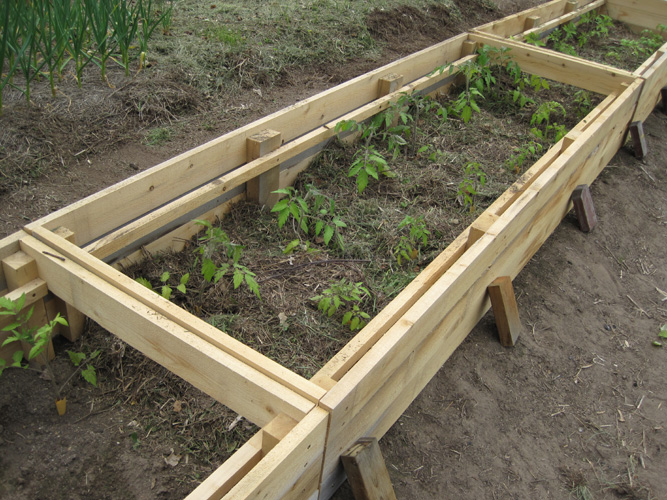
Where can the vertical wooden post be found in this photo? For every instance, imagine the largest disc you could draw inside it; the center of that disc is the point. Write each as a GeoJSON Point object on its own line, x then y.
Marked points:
{"type": "Point", "coordinates": [638, 139]}
{"type": "Point", "coordinates": [390, 83]}
{"type": "Point", "coordinates": [531, 22]}
{"type": "Point", "coordinates": [584, 208]}
{"type": "Point", "coordinates": [259, 189]}
{"type": "Point", "coordinates": [20, 269]}
{"type": "Point", "coordinates": [505, 310]}
{"type": "Point", "coordinates": [276, 430]}
{"type": "Point", "coordinates": [571, 6]}
{"type": "Point", "coordinates": [367, 472]}
{"type": "Point", "coordinates": [468, 48]}
{"type": "Point", "coordinates": [663, 95]}
{"type": "Point", "coordinates": [75, 319]}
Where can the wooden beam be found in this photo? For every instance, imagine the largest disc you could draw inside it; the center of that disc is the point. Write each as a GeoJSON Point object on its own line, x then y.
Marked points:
{"type": "Point", "coordinates": [560, 67]}
{"type": "Point", "coordinates": [260, 189]}
{"type": "Point", "coordinates": [222, 376]}
{"type": "Point", "coordinates": [505, 310]}
{"type": "Point", "coordinates": [469, 48]}
{"type": "Point", "coordinates": [532, 22]}
{"type": "Point", "coordinates": [182, 318]}
{"type": "Point", "coordinates": [639, 145]}
{"type": "Point", "coordinates": [367, 472]}
{"type": "Point", "coordinates": [390, 83]}
{"type": "Point", "coordinates": [168, 212]}
{"type": "Point", "coordinates": [545, 27]}
{"type": "Point", "coordinates": [654, 74]}
{"type": "Point", "coordinates": [638, 14]}
{"type": "Point", "coordinates": [571, 6]}
{"type": "Point", "coordinates": [106, 210]}
{"type": "Point", "coordinates": [584, 208]}
{"type": "Point", "coordinates": [75, 320]}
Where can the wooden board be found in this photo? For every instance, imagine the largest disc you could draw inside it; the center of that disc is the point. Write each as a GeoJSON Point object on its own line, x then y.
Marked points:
{"type": "Point", "coordinates": [459, 297]}
{"type": "Point", "coordinates": [655, 78]}
{"type": "Point", "coordinates": [560, 67]}
{"type": "Point", "coordinates": [639, 14]}
{"type": "Point", "coordinates": [233, 383]}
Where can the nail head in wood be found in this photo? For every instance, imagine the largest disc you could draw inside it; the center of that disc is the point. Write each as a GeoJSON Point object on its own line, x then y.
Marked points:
{"type": "Point", "coordinates": [638, 140]}
{"type": "Point", "coordinates": [584, 208]}
{"type": "Point", "coordinates": [367, 472]}
{"type": "Point", "coordinates": [505, 310]}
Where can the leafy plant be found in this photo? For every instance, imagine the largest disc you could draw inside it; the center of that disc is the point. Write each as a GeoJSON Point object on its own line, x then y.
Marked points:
{"type": "Point", "coordinates": [165, 289]}
{"type": "Point", "coordinates": [582, 100]}
{"type": "Point", "coordinates": [216, 244]}
{"type": "Point", "coordinates": [39, 339]}
{"type": "Point", "coordinates": [474, 178]}
{"type": "Point", "coordinates": [534, 39]}
{"type": "Point", "coordinates": [543, 116]}
{"type": "Point", "coordinates": [521, 155]}
{"type": "Point", "coordinates": [408, 248]}
{"type": "Point", "coordinates": [313, 213]}
{"type": "Point", "coordinates": [347, 296]}
{"type": "Point", "coordinates": [368, 161]}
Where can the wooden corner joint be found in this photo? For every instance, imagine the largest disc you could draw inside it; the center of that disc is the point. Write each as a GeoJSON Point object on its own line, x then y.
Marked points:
{"type": "Point", "coordinates": [505, 310]}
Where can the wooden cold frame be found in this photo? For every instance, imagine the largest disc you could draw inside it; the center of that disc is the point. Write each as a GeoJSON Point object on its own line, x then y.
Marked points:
{"type": "Point", "coordinates": [308, 424]}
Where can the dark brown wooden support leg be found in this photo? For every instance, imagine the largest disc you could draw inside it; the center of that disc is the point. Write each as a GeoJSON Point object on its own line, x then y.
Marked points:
{"type": "Point", "coordinates": [367, 472]}
{"type": "Point", "coordinates": [663, 95]}
{"type": "Point", "coordinates": [584, 208]}
{"type": "Point", "coordinates": [638, 139]}
{"type": "Point", "coordinates": [505, 310]}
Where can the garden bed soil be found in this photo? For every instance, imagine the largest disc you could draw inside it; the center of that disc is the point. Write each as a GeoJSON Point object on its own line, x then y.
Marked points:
{"type": "Point", "coordinates": [578, 407]}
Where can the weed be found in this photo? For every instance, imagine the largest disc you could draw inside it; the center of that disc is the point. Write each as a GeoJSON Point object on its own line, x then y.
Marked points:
{"type": "Point", "coordinates": [39, 339]}
{"type": "Point", "coordinates": [474, 178]}
{"type": "Point", "coordinates": [534, 39]}
{"type": "Point", "coordinates": [216, 244]}
{"type": "Point", "coordinates": [158, 136]}
{"type": "Point", "coordinates": [408, 248]}
{"type": "Point", "coordinates": [521, 155]}
{"type": "Point", "coordinates": [544, 116]}
{"type": "Point", "coordinates": [343, 295]}
{"type": "Point", "coordinates": [165, 289]}
{"type": "Point", "coordinates": [314, 214]}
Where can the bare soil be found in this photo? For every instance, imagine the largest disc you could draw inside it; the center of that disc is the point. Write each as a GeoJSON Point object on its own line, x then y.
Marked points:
{"type": "Point", "coordinates": [577, 408]}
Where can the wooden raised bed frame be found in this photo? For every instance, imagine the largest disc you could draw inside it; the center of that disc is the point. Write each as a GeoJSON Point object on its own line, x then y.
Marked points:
{"type": "Point", "coordinates": [360, 392]}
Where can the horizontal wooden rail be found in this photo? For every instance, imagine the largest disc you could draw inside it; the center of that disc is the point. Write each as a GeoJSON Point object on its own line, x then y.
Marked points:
{"type": "Point", "coordinates": [545, 27]}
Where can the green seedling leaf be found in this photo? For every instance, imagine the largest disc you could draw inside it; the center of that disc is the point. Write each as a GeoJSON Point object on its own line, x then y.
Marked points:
{"type": "Point", "coordinates": [663, 331]}
{"type": "Point", "coordinates": [144, 282]}
{"type": "Point", "coordinates": [238, 278]}
{"type": "Point", "coordinates": [17, 357]}
{"type": "Point", "coordinates": [208, 269]}
{"type": "Point", "coordinates": [182, 289]}
{"type": "Point", "coordinates": [76, 357]}
{"type": "Point", "coordinates": [291, 246]}
{"type": "Point", "coordinates": [164, 277]}
{"type": "Point", "coordinates": [90, 375]}
{"type": "Point", "coordinates": [657, 344]}
{"type": "Point", "coordinates": [166, 292]}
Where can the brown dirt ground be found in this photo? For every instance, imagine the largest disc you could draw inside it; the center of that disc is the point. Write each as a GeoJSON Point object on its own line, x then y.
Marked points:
{"type": "Point", "coordinates": [578, 403]}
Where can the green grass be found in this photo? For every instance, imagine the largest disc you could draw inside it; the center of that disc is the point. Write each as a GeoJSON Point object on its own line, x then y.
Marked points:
{"type": "Point", "coordinates": [158, 136]}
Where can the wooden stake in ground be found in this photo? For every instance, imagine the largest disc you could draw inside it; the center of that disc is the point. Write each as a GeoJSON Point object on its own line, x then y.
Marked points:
{"type": "Point", "coordinates": [367, 472]}
{"type": "Point", "coordinates": [638, 140]}
{"type": "Point", "coordinates": [584, 208]}
{"type": "Point", "coordinates": [505, 310]}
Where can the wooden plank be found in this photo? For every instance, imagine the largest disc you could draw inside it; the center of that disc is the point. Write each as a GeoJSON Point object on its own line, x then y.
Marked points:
{"type": "Point", "coordinates": [560, 67]}
{"type": "Point", "coordinates": [505, 310]}
{"type": "Point", "coordinates": [259, 189]}
{"type": "Point", "coordinates": [571, 6]}
{"type": "Point", "coordinates": [584, 208]}
{"type": "Point", "coordinates": [297, 455]}
{"type": "Point", "coordinates": [8, 246]}
{"type": "Point", "coordinates": [275, 431]}
{"type": "Point", "coordinates": [108, 209]}
{"type": "Point", "coordinates": [379, 325]}
{"type": "Point", "coordinates": [655, 78]}
{"type": "Point", "coordinates": [638, 139]}
{"type": "Point", "coordinates": [639, 14]}
{"type": "Point", "coordinates": [367, 472]}
{"type": "Point", "coordinates": [225, 477]}
{"type": "Point", "coordinates": [222, 376]}
{"type": "Point", "coordinates": [151, 222]}
{"type": "Point", "coordinates": [532, 22]}
{"type": "Point", "coordinates": [75, 320]}
{"type": "Point", "coordinates": [396, 354]}
{"type": "Point", "coordinates": [390, 83]}
{"type": "Point", "coordinates": [550, 25]}
{"type": "Point", "coordinates": [182, 318]}
{"type": "Point", "coordinates": [514, 24]}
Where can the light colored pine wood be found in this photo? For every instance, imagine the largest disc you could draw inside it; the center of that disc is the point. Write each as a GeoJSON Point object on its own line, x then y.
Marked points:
{"type": "Point", "coordinates": [367, 472]}
{"type": "Point", "coordinates": [173, 313]}
{"type": "Point", "coordinates": [459, 297]}
{"type": "Point", "coordinates": [219, 374]}
{"type": "Point", "coordinates": [571, 6]}
{"type": "Point", "coordinates": [505, 310]}
{"type": "Point", "coordinates": [124, 236]}
{"type": "Point", "coordinates": [275, 431]}
{"type": "Point", "coordinates": [638, 14]}
{"type": "Point", "coordinates": [469, 47]}
{"type": "Point", "coordinates": [260, 189]}
{"type": "Point", "coordinates": [561, 68]}
{"type": "Point", "coordinates": [108, 209]}
{"type": "Point", "coordinates": [225, 477]}
{"type": "Point", "coordinates": [553, 23]}
{"type": "Point", "coordinates": [75, 320]}
{"type": "Point", "coordinates": [532, 22]}
{"type": "Point", "coordinates": [655, 78]}
{"type": "Point", "coordinates": [390, 83]}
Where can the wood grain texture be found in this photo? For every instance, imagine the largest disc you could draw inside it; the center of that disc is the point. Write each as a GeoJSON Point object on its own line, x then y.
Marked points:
{"type": "Point", "coordinates": [505, 310]}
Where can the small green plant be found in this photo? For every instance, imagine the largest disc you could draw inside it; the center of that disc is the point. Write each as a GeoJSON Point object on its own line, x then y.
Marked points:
{"type": "Point", "coordinates": [534, 39]}
{"type": "Point", "coordinates": [583, 103]}
{"type": "Point", "coordinates": [158, 136]}
{"type": "Point", "coordinates": [368, 161]}
{"type": "Point", "coordinates": [662, 334]}
{"type": "Point", "coordinates": [216, 245]}
{"type": "Point", "coordinates": [466, 102]}
{"type": "Point", "coordinates": [521, 155]}
{"type": "Point", "coordinates": [409, 247]}
{"type": "Point", "coordinates": [543, 116]}
{"type": "Point", "coordinates": [166, 290]}
{"type": "Point", "coordinates": [344, 296]}
{"type": "Point", "coordinates": [474, 178]}
{"type": "Point", "coordinates": [39, 339]}
{"type": "Point", "coordinates": [313, 213]}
